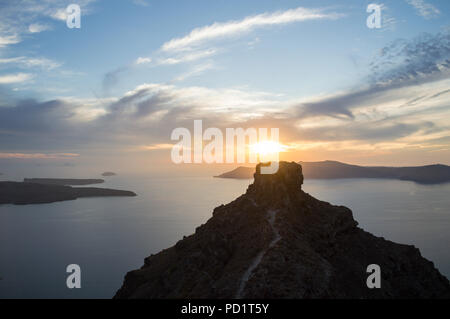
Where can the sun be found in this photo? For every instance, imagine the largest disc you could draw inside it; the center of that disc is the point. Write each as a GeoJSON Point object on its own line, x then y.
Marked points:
{"type": "Point", "coordinates": [267, 148]}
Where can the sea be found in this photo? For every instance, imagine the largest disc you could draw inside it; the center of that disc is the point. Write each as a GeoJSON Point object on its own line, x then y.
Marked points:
{"type": "Point", "coordinates": [107, 237]}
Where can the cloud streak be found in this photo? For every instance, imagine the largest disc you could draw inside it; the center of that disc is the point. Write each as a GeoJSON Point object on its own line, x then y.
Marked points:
{"type": "Point", "coordinates": [424, 9]}
{"type": "Point", "coordinates": [143, 60]}
{"type": "Point", "coordinates": [238, 27]}
{"type": "Point", "coordinates": [15, 78]}
{"type": "Point", "coordinates": [28, 62]}
{"type": "Point", "coordinates": [37, 27]}
{"type": "Point", "coordinates": [6, 39]}
{"type": "Point", "coordinates": [189, 57]}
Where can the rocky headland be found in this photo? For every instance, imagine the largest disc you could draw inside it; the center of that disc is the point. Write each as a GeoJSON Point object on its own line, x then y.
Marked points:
{"type": "Point", "coordinates": [64, 181]}
{"type": "Point", "coordinates": [21, 193]}
{"type": "Point", "coordinates": [276, 241]}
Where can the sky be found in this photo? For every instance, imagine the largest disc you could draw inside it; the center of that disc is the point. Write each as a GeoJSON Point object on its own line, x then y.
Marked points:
{"type": "Point", "coordinates": [113, 90]}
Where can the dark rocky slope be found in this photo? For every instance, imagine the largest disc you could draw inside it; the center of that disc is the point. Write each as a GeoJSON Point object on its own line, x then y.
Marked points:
{"type": "Point", "coordinates": [31, 193]}
{"type": "Point", "coordinates": [276, 241]}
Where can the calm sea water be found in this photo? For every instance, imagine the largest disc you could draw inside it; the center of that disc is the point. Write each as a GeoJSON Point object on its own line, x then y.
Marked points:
{"type": "Point", "coordinates": [109, 236]}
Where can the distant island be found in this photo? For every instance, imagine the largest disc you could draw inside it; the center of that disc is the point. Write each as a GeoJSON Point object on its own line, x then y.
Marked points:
{"type": "Point", "coordinates": [430, 174]}
{"type": "Point", "coordinates": [22, 193]}
{"type": "Point", "coordinates": [106, 174]}
{"type": "Point", "coordinates": [63, 181]}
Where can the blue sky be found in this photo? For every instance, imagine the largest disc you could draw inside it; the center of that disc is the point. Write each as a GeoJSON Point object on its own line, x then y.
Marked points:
{"type": "Point", "coordinates": [299, 55]}
{"type": "Point", "coordinates": [312, 67]}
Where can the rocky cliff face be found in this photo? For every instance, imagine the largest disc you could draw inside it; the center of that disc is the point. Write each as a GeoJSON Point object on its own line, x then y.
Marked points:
{"type": "Point", "coordinates": [276, 241]}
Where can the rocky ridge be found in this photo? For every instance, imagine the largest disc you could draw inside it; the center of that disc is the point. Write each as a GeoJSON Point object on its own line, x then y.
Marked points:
{"type": "Point", "coordinates": [276, 241]}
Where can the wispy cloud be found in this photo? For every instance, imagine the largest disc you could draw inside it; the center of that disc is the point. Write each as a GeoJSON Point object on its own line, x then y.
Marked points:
{"type": "Point", "coordinates": [141, 3]}
{"type": "Point", "coordinates": [424, 9]}
{"type": "Point", "coordinates": [143, 60]}
{"type": "Point", "coordinates": [111, 78]}
{"type": "Point", "coordinates": [388, 22]}
{"type": "Point", "coordinates": [15, 78]}
{"type": "Point", "coordinates": [59, 14]}
{"type": "Point", "coordinates": [8, 39]}
{"type": "Point", "coordinates": [37, 27]}
{"type": "Point", "coordinates": [253, 42]}
{"type": "Point", "coordinates": [195, 71]}
{"type": "Point", "coordinates": [239, 27]}
{"type": "Point", "coordinates": [28, 62]}
{"type": "Point", "coordinates": [419, 59]}
{"type": "Point", "coordinates": [188, 57]}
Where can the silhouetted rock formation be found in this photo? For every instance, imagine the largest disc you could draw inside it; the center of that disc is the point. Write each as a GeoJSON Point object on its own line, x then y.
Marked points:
{"type": "Point", "coordinates": [276, 241]}
{"type": "Point", "coordinates": [30, 193]}
{"type": "Point", "coordinates": [107, 174]}
{"type": "Point", "coordinates": [63, 181]}
{"type": "Point", "coordinates": [430, 174]}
